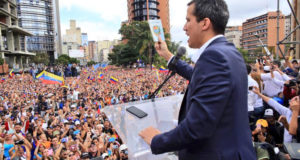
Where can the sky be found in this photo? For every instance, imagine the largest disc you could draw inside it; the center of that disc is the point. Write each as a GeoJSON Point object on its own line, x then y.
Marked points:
{"type": "Point", "coordinates": [101, 19]}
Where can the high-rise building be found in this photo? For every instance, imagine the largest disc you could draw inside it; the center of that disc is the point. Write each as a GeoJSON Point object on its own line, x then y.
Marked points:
{"type": "Point", "coordinates": [84, 39]}
{"type": "Point", "coordinates": [73, 34]}
{"type": "Point", "coordinates": [37, 16]}
{"type": "Point", "coordinates": [142, 10]}
{"type": "Point", "coordinates": [234, 34]}
{"type": "Point", "coordinates": [57, 30]}
{"type": "Point", "coordinates": [264, 27]}
{"type": "Point", "coordinates": [92, 49]}
{"type": "Point", "coordinates": [12, 49]}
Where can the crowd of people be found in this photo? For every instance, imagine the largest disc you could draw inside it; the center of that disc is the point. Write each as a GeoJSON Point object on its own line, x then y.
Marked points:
{"type": "Point", "coordinates": [273, 106]}
{"type": "Point", "coordinates": [65, 121]}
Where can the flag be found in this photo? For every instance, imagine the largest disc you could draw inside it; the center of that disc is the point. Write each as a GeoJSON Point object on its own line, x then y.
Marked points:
{"type": "Point", "coordinates": [99, 109]}
{"type": "Point", "coordinates": [49, 78]}
{"type": "Point", "coordinates": [100, 76]}
{"type": "Point", "coordinates": [113, 80]}
{"type": "Point", "coordinates": [40, 75]}
{"type": "Point", "coordinates": [11, 73]}
{"type": "Point", "coordinates": [163, 69]}
{"type": "Point", "coordinates": [2, 80]}
{"type": "Point", "coordinates": [96, 66]}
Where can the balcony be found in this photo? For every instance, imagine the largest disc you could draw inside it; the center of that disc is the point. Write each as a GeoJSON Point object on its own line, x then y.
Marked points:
{"type": "Point", "coordinates": [19, 30]}
{"type": "Point", "coordinates": [6, 13]}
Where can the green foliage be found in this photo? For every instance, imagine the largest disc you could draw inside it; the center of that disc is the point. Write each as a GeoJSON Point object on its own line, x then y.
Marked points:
{"type": "Point", "coordinates": [245, 55]}
{"type": "Point", "coordinates": [90, 63]}
{"type": "Point", "coordinates": [1, 61]}
{"type": "Point", "coordinates": [139, 45]}
{"type": "Point", "coordinates": [74, 60]}
{"type": "Point", "coordinates": [65, 60]}
{"type": "Point", "coordinates": [41, 58]}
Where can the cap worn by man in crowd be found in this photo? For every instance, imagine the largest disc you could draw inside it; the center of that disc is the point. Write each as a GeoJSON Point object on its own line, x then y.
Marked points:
{"type": "Point", "coordinates": [122, 147]}
{"type": "Point", "coordinates": [266, 68]}
{"type": "Point", "coordinates": [77, 123]}
{"type": "Point", "coordinates": [73, 106]}
{"type": "Point", "coordinates": [104, 155]}
{"type": "Point", "coordinates": [268, 113]}
{"type": "Point", "coordinates": [262, 122]}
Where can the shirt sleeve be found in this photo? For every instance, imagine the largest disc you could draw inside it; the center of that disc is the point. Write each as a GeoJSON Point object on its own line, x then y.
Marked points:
{"type": "Point", "coordinates": [282, 110]}
{"type": "Point", "coordinates": [265, 77]}
{"type": "Point", "coordinates": [278, 82]}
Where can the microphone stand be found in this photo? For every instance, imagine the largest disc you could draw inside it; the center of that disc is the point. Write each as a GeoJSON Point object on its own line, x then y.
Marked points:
{"type": "Point", "coordinates": [152, 96]}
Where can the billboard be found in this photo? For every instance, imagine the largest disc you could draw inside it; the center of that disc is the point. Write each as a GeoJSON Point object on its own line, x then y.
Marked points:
{"type": "Point", "coordinates": [76, 53]}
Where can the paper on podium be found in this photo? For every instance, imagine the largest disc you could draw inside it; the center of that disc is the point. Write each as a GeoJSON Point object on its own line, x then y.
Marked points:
{"type": "Point", "coordinates": [162, 114]}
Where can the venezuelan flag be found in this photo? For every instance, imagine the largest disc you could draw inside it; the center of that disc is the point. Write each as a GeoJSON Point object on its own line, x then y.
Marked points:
{"type": "Point", "coordinates": [163, 69]}
{"type": "Point", "coordinates": [113, 80]}
{"type": "Point", "coordinates": [100, 76]}
{"type": "Point", "coordinates": [49, 78]}
{"type": "Point", "coordinates": [11, 73]}
{"type": "Point", "coordinates": [99, 109]}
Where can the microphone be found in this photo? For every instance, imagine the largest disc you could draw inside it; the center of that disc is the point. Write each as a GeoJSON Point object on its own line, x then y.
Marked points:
{"type": "Point", "coordinates": [180, 52]}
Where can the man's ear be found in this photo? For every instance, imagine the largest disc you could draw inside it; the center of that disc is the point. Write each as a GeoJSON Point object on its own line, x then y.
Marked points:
{"type": "Point", "coordinates": [206, 24]}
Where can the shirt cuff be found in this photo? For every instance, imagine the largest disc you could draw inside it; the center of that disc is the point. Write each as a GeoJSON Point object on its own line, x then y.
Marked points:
{"type": "Point", "coordinates": [170, 60]}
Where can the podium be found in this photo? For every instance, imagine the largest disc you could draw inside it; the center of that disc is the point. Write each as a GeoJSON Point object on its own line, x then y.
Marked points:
{"type": "Point", "coordinates": [162, 114]}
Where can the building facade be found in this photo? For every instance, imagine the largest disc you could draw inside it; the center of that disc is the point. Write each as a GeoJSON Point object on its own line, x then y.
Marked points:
{"type": "Point", "coordinates": [12, 49]}
{"type": "Point", "coordinates": [38, 18]}
{"type": "Point", "coordinates": [142, 10]}
{"type": "Point", "coordinates": [73, 34]}
{"type": "Point", "coordinates": [287, 26]}
{"type": "Point", "coordinates": [57, 30]}
{"type": "Point", "coordinates": [92, 50]}
{"type": "Point", "coordinates": [296, 35]}
{"type": "Point", "coordinates": [234, 34]}
{"type": "Point", "coordinates": [264, 27]}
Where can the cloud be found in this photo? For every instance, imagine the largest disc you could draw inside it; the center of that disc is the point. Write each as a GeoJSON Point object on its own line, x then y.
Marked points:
{"type": "Point", "coordinates": [109, 15]}
{"type": "Point", "coordinates": [239, 12]}
{"type": "Point", "coordinates": [109, 10]}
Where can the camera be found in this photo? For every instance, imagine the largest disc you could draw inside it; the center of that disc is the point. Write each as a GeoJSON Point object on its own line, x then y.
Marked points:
{"type": "Point", "coordinates": [19, 142]}
{"type": "Point", "coordinates": [251, 88]}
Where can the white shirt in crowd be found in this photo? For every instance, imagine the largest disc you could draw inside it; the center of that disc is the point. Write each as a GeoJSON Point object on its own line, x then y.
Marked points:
{"type": "Point", "coordinates": [271, 89]}
{"type": "Point", "coordinates": [254, 101]}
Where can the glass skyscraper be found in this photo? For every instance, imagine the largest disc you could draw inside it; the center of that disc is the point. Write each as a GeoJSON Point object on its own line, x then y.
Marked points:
{"type": "Point", "coordinates": [36, 16]}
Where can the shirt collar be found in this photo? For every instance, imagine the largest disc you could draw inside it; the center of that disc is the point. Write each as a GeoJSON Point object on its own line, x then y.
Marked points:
{"type": "Point", "coordinates": [197, 55]}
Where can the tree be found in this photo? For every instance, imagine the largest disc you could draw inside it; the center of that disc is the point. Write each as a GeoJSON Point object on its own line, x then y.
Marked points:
{"type": "Point", "coordinates": [63, 59]}
{"type": "Point", "coordinates": [73, 60]}
{"type": "Point", "coordinates": [1, 61]}
{"type": "Point", "coordinates": [245, 55]}
{"type": "Point", "coordinates": [41, 58]}
{"type": "Point", "coordinates": [90, 63]}
{"type": "Point", "coordinates": [123, 55]}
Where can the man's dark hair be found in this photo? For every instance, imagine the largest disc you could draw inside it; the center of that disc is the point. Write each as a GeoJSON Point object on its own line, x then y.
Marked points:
{"type": "Point", "coordinates": [278, 63]}
{"type": "Point", "coordinates": [215, 10]}
{"type": "Point", "coordinates": [295, 61]}
{"type": "Point", "coordinates": [248, 68]}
